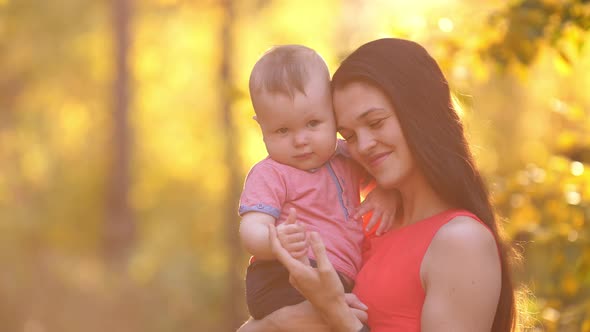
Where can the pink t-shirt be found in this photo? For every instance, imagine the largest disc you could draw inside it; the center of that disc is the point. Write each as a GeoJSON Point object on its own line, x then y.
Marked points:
{"type": "Point", "coordinates": [324, 199]}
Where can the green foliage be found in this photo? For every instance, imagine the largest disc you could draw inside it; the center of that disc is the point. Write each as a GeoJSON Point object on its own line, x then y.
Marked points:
{"type": "Point", "coordinates": [547, 212]}
{"type": "Point", "coordinates": [546, 206]}
{"type": "Point", "coordinates": [527, 26]}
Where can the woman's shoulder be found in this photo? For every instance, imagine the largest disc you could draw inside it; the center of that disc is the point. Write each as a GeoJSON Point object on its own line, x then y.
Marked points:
{"type": "Point", "coordinates": [461, 270]}
{"type": "Point", "coordinates": [465, 245]}
{"type": "Point", "coordinates": [464, 232]}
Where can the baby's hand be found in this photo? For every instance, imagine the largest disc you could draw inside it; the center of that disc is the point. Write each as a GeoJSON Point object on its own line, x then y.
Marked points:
{"type": "Point", "coordinates": [384, 204]}
{"type": "Point", "coordinates": [293, 237]}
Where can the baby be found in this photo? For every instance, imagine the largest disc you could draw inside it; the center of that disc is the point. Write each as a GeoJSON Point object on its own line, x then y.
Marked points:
{"type": "Point", "coordinates": [307, 170]}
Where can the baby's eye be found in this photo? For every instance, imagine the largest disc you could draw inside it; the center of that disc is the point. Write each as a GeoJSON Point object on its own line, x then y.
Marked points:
{"type": "Point", "coordinates": [282, 131]}
{"type": "Point", "coordinates": [313, 123]}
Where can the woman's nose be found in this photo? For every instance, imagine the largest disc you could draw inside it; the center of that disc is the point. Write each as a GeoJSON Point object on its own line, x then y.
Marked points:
{"type": "Point", "coordinates": [365, 142]}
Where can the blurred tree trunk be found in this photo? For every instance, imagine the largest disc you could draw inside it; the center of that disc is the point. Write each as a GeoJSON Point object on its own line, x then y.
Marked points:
{"type": "Point", "coordinates": [119, 226]}
{"type": "Point", "coordinates": [235, 294]}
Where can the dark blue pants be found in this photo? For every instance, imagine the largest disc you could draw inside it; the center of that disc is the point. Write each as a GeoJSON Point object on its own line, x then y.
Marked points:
{"type": "Point", "coordinates": [268, 288]}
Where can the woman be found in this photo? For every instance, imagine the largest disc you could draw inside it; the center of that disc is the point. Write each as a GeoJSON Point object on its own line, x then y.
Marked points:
{"type": "Point", "coordinates": [444, 268]}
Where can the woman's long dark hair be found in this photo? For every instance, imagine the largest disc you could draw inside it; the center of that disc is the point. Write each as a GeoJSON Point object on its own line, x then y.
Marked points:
{"type": "Point", "coordinates": [421, 97]}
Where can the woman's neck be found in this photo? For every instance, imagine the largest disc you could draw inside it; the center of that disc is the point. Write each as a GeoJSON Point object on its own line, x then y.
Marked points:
{"type": "Point", "coordinates": [419, 200]}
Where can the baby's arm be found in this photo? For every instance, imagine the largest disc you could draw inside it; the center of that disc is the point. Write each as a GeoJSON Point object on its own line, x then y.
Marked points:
{"type": "Point", "coordinates": [254, 234]}
{"type": "Point", "coordinates": [384, 204]}
{"type": "Point", "coordinates": [293, 237]}
{"type": "Point", "coordinates": [261, 201]}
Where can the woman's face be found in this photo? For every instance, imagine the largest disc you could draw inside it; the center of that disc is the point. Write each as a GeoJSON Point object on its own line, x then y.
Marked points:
{"type": "Point", "coordinates": [367, 121]}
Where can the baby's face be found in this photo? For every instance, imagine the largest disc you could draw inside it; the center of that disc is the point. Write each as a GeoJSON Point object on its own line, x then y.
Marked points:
{"type": "Point", "coordinates": [299, 132]}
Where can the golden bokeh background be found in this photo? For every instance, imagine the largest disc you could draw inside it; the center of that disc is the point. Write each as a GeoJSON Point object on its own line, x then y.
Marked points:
{"type": "Point", "coordinates": [126, 132]}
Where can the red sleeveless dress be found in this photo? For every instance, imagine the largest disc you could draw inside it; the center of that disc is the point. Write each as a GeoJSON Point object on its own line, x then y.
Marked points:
{"type": "Point", "coordinates": [389, 281]}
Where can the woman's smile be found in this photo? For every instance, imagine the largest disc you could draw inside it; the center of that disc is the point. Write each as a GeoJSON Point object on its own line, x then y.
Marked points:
{"type": "Point", "coordinates": [376, 160]}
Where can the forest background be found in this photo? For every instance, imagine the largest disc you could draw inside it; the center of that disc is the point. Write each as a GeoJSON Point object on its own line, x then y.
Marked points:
{"type": "Point", "coordinates": [126, 133]}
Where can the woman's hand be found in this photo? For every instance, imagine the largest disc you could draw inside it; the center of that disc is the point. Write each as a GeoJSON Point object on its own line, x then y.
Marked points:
{"type": "Point", "coordinates": [358, 308]}
{"type": "Point", "coordinates": [321, 285]}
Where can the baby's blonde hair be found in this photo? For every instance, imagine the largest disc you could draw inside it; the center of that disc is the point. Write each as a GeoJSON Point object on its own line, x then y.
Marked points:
{"type": "Point", "coordinates": [286, 69]}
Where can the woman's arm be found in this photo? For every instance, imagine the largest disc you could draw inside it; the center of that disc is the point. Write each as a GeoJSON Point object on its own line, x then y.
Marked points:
{"type": "Point", "coordinates": [321, 285]}
{"type": "Point", "coordinates": [461, 274]}
{"type": "Point", "coordinates": [299, 317]}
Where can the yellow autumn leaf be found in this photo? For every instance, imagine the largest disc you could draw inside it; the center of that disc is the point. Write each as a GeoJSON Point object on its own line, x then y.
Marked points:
{"type": "Point", "coordinates": [561, 65]}
{"type": "Point", "coordinates": [577, 219]}
{"type": "Point", "coordinates": [570, 284]}
{"type": "Point", "coordinates": [566, 140]}
{"type": "Point", "coordinates": [576, 113]}
{"type": "Point", "coordinates": [558, 163]}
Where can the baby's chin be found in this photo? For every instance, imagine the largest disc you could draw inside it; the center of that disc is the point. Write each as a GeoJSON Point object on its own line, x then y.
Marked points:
{"type": "Point", "coordinates": [312, 166]}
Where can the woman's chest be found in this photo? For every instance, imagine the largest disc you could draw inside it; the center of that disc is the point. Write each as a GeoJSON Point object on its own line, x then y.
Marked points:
{"type": "Point", "coordinates": [389, 282]}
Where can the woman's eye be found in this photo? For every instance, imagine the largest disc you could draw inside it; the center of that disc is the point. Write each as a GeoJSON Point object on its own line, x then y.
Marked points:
{"type": "Point", "coordinates": [348, 138]}
{"type": "Point", "coordinates": [282, 131]}
{"type": "Point", "coordinates": [313, 123]}
{"type": "Point", "coordinates": [376, 123]}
